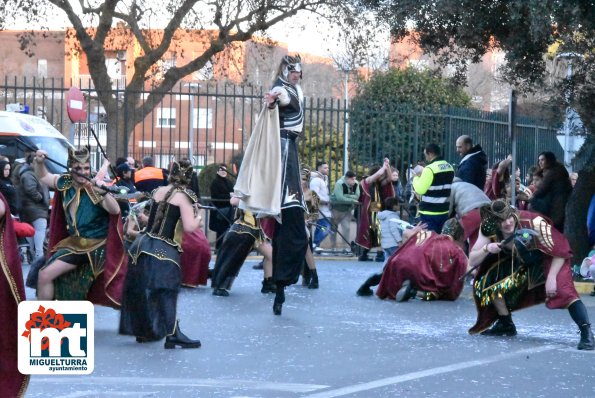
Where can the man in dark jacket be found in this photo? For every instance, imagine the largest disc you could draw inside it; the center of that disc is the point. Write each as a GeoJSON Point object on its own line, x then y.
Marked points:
{"type": "Point", "coordinates": [472, 167]}
{"type": "Point", "coordinates": [34, 205]}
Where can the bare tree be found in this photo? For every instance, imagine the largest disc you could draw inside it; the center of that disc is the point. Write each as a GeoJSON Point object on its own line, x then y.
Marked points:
{"type": "Point", "coordinates": [223, 23]}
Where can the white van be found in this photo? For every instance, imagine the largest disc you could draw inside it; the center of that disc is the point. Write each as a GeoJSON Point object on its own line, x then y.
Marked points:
{"type": "Point", "coordinates": [34, 132]}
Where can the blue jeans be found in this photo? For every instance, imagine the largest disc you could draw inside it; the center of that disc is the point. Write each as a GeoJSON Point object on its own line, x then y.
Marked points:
{"type": "Point", "coordinates": [322, 230]}
{"type": "Point", "coordinates": [435, 222]}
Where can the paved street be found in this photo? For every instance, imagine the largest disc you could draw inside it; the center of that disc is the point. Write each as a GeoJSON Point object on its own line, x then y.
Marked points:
{"type": "Point", "coordinates": [331, 343]}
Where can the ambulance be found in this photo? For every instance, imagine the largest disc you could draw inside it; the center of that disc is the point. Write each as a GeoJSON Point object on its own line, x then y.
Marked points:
{"type": "Point", "coordinates": [19, 132]}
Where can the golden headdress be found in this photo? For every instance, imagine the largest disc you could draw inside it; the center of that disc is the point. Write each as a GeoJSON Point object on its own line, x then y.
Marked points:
{"type": "Point", "coordinates": [81, 155]}
{"type": "Point", "coordinates": [493, 214]}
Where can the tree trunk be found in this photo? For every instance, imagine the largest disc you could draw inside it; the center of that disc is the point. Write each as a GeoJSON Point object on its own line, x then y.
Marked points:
{"type": "Point", "coordinates": [575, 226]}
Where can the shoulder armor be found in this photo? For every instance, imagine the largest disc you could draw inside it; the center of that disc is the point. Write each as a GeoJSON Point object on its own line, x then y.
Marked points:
{"type": "Point", "coordinates": [544, 229]}
{"type": "Point", "coordinates": [489, 227]}
{"type": "Point", "coordinates": [421, 237]}
{"type": "Point", "coordinates": [190, 193]}
{"type": "Point", "coordinates": [64, 182]}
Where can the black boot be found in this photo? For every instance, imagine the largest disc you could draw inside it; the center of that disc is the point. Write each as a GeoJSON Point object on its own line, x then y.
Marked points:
{"type": "Point", "coordinates": [406, 292]}
{"type": "Point", "coordinates": [306, 275]}
{"type": "Point", "coordinates": [364, 256]}
{"type": "Point", "coordinates": [180, 339]}
{"type": "Point", "coordinates": [279, 300]}
{"type": "Point", "coordinates": [586, 342]}
{"type": "Point", "coordinates": [364, 290]}
{"type": "Point", "coordinates": [379, 256]}
{"type": "Point", "coordinates": [503, 327]}
{"type": "Point", "coordinates": [268, 286]}
{"type": "Point", "coordinates": [314, 280]}
{"type": "Point", "coordinates": [220, 292]}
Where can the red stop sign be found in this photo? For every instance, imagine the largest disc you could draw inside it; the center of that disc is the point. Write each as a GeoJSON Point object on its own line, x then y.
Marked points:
{"type": "Point", "coordinates": [76, 107]}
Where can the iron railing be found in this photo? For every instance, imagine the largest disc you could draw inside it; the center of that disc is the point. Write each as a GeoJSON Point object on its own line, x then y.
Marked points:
{"type": "Point", "coordinates": [212, 122]}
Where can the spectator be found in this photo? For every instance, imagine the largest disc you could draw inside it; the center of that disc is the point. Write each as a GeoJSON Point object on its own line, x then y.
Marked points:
{"type": "Point", "coordinates": [433, 185]}
{"type": "Point", "coordinates": [397, 186]}
{"type": "Point", "coordinates": [554, 189]}
{"type": "Point", "coordinates": [529, 175]}
{"type": "Point", "coordinates": [124, 174]}
{"type": "Point", "coordinates": [149, 177]}
{"type": "Point", "coordinates": [345, 195]}
{"type": "Point", "coordinates": [35, 199]}
{"type": "Point", "coordinates": [131, 163]}
{"type": "Point", "coordinates": [473, 165]}
{"type": "Point", "coordinates": [221, 219]}
{"type": "Point", "coordinates": [319, 185]}
{"type": "Point", "coordinates": [410, 199]}
{"type": "Point", "coordinates": [7, 188]}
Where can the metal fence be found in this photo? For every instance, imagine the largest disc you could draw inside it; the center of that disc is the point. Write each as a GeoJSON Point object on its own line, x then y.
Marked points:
{"type": "Point", "coordinates": [212, 122]}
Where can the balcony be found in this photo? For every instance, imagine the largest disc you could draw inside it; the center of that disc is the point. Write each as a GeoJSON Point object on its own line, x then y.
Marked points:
{"type": "Point", "coordinates": [86, 82]}
{"type": "Point", "coordinates": [82, 135]}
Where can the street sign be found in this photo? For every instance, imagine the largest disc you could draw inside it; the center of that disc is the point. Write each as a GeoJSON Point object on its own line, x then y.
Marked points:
{"type": "Point", "coordinates": [76, 106]}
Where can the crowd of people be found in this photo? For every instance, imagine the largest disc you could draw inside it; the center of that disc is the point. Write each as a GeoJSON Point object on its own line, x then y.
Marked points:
{"type": "Point", "coordinates": [460, 223]}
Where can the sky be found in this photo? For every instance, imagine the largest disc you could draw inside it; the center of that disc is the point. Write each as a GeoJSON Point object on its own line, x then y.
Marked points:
{"type": "Point", "coordinates": [303, 33]}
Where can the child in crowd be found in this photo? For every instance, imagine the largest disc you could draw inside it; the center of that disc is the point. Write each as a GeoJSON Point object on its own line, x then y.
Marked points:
{"type": "Point", "coordinates": [391, 227]}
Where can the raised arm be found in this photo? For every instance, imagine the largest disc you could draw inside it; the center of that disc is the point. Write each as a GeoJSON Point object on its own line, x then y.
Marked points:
{"type": "Point", "coordinates": [42, 172]}
{"type": "Point", "coordinates": [383, 172]}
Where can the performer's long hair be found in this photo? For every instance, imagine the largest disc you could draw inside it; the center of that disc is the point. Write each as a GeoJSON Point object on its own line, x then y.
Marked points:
{"type": "Point", "coordinates": [180, 174]}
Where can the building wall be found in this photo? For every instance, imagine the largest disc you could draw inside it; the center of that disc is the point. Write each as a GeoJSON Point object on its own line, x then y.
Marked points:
{"type": "Point", "coordinates": [47, 49]}
{"type": "Point", "coordinates": [486, 92]}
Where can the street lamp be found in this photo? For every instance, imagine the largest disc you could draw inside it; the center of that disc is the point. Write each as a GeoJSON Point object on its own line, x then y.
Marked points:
{"type": "Point", "coordinates": [570, 56]}
{"type": "Point", "coordinates": [191, 121]}
{"type": "Point", "coordinates": [345, 69]}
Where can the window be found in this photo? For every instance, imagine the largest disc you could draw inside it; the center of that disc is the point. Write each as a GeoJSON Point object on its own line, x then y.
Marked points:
{"type": "Point", "coordinates": [166, 117]}
{"type": "Point", "coordinates": [42, 68]}
{"type": "Point", "coordinates": [203, 118]}
{"type": "Point", "coordinates": [206, 72]}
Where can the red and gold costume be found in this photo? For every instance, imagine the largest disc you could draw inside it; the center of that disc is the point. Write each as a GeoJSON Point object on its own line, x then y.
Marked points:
{"type": "Point", "coordinates": [195, 258]}
{"type": "Point", "coordinates": [12, 292]}
{"type": "Point", "coordinates": [521, 280]}
{"type": "Point", "coordinates": [431, 262]}
{"type": "Point", "coordinates": [372, 196]}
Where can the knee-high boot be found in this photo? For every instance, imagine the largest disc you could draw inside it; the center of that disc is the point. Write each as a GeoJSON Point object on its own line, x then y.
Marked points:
{"type": "Point", "coordinates": [579, 315]}
{"type": "Point", "coordinates": [279, 299]}
{"type": "Point", "coordinates": [313, 280]}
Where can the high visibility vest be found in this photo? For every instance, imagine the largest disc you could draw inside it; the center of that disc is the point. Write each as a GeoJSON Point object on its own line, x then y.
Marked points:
{"type": "Point", "coordinates": [148, 173]}
{"type": "Point", "coordinates": [434, 187]}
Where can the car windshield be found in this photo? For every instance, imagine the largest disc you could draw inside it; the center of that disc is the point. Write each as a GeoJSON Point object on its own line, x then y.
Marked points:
{"type": "Point", "coordinates": [57, 149]}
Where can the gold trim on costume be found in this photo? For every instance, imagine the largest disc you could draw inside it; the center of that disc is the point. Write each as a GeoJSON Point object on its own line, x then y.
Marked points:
{"type": "Point", "coordinates": [10, 279]}
{"type": "Point", "coordinates": [544, 229]}
{"type": "Point", "coordinates": [15, 293]}
{"type": "Point", "coordinates": [422, 236]}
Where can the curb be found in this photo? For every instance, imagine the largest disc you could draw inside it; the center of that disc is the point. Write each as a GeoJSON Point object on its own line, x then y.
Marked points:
{"type": "Point", "coordinates": [583, 287]}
